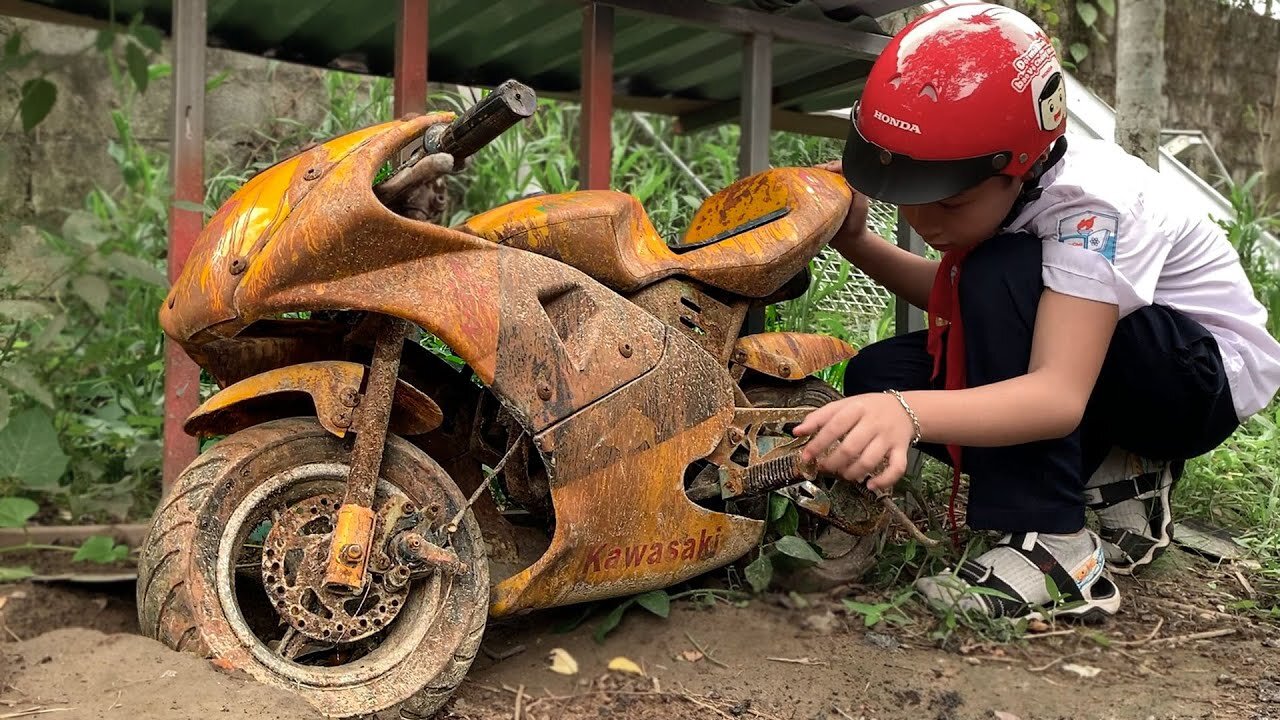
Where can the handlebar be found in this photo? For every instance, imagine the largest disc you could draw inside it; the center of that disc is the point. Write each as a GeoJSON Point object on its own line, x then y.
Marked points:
{"type": "Point", "coordinates": [508, 104]}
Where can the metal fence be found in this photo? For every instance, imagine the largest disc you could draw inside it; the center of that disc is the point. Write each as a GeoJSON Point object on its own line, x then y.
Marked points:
{"type": "Point", "coordinates": [860, 300]}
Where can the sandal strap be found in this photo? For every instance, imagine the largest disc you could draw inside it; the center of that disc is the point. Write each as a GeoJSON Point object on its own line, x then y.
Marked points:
{"type": "Point", "coordinates": [1029, 546]}
{"type": "Point", "coordinates": [978, 575]}
{"type": "Point", "coordinates": [1131, 544]}
{"type": "Point", "coordinates": [1104, 496]}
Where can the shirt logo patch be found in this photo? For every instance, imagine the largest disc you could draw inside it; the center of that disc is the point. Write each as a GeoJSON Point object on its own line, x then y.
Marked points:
{"type": "Point", "coordinates": [1096, 231]}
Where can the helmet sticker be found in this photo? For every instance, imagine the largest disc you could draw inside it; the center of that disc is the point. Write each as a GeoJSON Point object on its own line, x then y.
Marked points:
{"type": "Point", "coordinates": [1033, 62]}
{"type": "Point", "coordinates": [1051, 102]}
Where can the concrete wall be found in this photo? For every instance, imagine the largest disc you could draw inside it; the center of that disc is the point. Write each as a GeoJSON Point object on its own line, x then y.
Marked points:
{"type": "Point", "coordinates": [1221, 79]}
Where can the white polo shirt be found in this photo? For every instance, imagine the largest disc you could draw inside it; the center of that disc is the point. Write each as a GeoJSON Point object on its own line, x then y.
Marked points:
{"type": "Point", "coordinates": [1114, 231]}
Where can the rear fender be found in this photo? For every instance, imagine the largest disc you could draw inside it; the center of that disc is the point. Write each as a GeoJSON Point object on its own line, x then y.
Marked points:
{"type": "Point", "coordinates": [790, 355]}
{"type": "Point", "coordinates": [330, 389]}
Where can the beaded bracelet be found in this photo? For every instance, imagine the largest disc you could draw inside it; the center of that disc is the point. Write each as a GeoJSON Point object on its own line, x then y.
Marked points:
{"type": "Point", "coordinates": [915, 422]}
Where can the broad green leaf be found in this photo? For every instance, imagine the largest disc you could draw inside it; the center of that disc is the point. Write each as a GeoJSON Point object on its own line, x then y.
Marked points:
{"type": "Point", "coordinates": [790, 522]}
{"type": "Point", "coordinates": [29, 450]}
{"type": "Point", "coordinates": [22, 310]}
{"type": "Point", "coordinates": [217, 81]}
{"type": "Point", "coordinates": [759, 573]}
{"type": "Point", "coordinates": [101, 549]}
{"type": "Point", "coordinates": [778, 505]}
{"type": "Point", "coordinates": [95, 292]}
{"type": "Point", "coordinates": [5, 406]}
{"type": "Point", "coordinates": [795, 547]}
{"type": "Point", "coordinates": [137, 63]}
{"type": "Point", "coordinates": [137, 268]}
{"type": "Point", "coordinates": [16, 511]}
{"type": "Point", "coordinates": [52, 331]}
{"type": "Point", "coordinates": [14, 574]}
{"type": "Point", "coordinates": [610, 621]}
{"type": "Point", "coordinates": [149, 37]}
{"type": "Point", "coordinates": [20, 378]}
{"type": "Point", "coordinates": [13, 45]}
{"type": "Point", "coordinates": [1052, 18]}
{"type": "Point", "coordinates": [38, 97]}
{"type": "Point", "coordinates": [106, 37]}
{"type": "Point", "coordinates": [1108, 7]}
{"type": "Point", "coordinates": [656, 602]}
{"type": "Point", "coordinates": [1079, 51]}
{"type": "Point", "coordinates": [83, 227]}
{"type": "Point", "coordinates": [1087, 12]}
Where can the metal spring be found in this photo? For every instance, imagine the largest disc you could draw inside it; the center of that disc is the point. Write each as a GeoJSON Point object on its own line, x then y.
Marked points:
{"type": "Point", "coordinates": [773, 474]}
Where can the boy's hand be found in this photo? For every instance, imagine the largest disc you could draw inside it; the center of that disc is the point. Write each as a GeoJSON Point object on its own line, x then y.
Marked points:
{"type": "Point", "coordinates": [861, 432]}
{"type": "Point", "coordinates": [854, 229]}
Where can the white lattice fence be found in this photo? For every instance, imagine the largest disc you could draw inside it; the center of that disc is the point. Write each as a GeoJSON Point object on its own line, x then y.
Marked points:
{"type": "Point", "coordinates": [860, 300]}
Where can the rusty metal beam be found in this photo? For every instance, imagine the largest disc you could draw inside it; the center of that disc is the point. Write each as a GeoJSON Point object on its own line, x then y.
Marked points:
{"type": "Point", "coordinates": [594, 152]}
{"type": "Point", "coordinates": [411, 58]}
{"type": "Point", "coordinates": [726, 18]}
{"type": "Point", "coordinates": [186, 161]}
{"type": "Point", "coordinates": [756, 107]}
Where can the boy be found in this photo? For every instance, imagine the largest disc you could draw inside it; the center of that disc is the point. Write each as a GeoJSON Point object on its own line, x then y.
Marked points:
{"type": "Point", "coordinates": [1086, 333]}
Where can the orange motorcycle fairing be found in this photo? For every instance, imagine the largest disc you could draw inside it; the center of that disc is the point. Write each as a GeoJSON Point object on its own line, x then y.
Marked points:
{"type": "Point", "coordinates": [624, 524]}
{"type": "Point", "coordinates": [333, 388]}
{"type": "Point", "coordinates": [748, 239]}
{"type": "Point", "coordinates": [790, 355]}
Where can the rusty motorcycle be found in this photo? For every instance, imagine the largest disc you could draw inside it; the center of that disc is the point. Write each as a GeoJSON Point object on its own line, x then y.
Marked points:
{"type": "Point", "coordinates": [337, 540]}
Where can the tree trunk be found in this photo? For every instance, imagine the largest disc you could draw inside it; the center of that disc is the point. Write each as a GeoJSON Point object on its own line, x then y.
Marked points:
{"type": "Point", "coordinates": [1140, 77]}
{"type": "Point", "coordinates": [1271, 151]}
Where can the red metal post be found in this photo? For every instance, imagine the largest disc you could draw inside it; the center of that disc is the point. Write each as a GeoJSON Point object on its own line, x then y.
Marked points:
{"type": "Point", "coordinates": [594, 151]}
{"type": "Point", "coordinates": [411, 58]}
{"type": "Point", "coordinates": [186, 160]}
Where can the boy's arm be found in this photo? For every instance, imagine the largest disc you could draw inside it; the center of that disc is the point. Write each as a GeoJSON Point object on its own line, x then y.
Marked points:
{"type": "Point", "coordinates": [1070, 342]}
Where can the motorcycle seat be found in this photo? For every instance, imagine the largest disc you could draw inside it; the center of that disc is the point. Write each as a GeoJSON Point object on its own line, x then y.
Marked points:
{"type": "Point", "coordinates": [748, 239]}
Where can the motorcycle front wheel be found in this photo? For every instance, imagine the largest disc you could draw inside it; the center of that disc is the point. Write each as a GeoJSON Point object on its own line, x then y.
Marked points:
{"type": "Point", "coordinates": [230, 567]}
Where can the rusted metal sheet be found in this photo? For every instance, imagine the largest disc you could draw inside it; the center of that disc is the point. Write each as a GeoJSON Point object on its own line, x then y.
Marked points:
{"type": "Point", "coordinates": [334, 390]}
{"type": "Point", "coordinates": [790, 355]}
{"type": "Point", "coordinates": [766, 229]}
{"type": "Point", "coordinates": [349, 549]}
{"type": "Point", "coordinates": [710, 321]}
{"type": "Point", "coordinates": [623, 522]}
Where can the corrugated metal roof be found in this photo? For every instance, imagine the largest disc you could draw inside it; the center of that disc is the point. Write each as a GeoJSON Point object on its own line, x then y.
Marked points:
{"type": "Point", "coordinates": [660, 63]}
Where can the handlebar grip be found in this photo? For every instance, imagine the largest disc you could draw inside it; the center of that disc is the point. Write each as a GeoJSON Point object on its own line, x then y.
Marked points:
{"type": "Point", "coordinates": [508, 104]}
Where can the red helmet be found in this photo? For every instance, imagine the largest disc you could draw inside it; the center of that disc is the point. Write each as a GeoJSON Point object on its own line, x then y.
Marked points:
{"type": "Point", "coordinates": [961, 94]}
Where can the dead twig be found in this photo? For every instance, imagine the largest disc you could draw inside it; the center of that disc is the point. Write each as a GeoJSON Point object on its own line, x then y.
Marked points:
{"type": "Point", "coordinates": [842, 713]}
{"type": "Point", "coordinates": [797, 661]}
{"type": "Point", "coordinates": [1190, 608]}
{"type": "Point", "coordinates": [519, 703]}
{"type": "Point", "coordinates": [504, 655]}
{"type": "Point", "coordinates": [704, 652]}
{"type": "Point", "coordinates": [12, 634]}
{"type": "Point", "coordinates": [1135, 643]}
{"type": "Point", "coordinates": [886, 500]}
{"type": "Point", "coordinates": [33, 711]}
{"type": "Point", "coordinates": [1055, 633]}
{"type": "Point", "coordinates": [1244, 583]}
{"type": "Point", "coordinates": [1057, 660]}
{"type": "Point", "coordinates": [1207, 635]}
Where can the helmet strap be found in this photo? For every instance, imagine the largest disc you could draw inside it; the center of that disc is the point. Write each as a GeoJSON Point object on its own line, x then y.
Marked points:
{"type": "Point", "coordinates": [1031, 189]}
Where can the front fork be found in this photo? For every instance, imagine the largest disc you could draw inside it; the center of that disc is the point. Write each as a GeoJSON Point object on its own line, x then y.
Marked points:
{"type": "Point", "coordinates": [354, 529]}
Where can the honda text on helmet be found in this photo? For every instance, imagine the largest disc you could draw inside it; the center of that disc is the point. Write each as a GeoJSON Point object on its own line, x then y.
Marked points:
{"type": "Point", "coordinates": [961, 94]}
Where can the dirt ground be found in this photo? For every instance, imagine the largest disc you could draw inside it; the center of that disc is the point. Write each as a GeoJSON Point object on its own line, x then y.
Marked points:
{"type": "Point", "coordinates": [1175, 651]}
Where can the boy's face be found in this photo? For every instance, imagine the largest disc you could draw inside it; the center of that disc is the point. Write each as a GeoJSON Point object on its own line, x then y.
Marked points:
{"type": "Point", "coordinates": [964, 220]}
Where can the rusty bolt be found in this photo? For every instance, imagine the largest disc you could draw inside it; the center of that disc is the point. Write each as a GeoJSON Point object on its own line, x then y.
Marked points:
{"type": "Point", "coordinates": [739, 356]}
{"type": "Point", "coordinates": [410, 507]}
{"type": "Point", "coordinates": [544, 391]}
{"type": "Point", "coordinates": [735, 436]}
{"type": "Point", "coordinates": [238, 266]}
{"type": "Point", "coordinates": [434, 509]}
{"type": "Point", "coordinates": [785, 371]}
{"type": "Point", "coordinates": [311, 174]}
{"type": "Point", "coordinates": [352, 553]}
{"type": "Point", "coordinates": [343, 420]}
{"type": "Point", "coordinates": [349, 397]}
{"type": "Point", "coordinates": [415, 543]}
{"type": "Point", "coordinates": [625, 349]}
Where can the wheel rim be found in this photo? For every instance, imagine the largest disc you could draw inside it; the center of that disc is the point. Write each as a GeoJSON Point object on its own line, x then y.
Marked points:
{"type": "Point", "coordinates": [403, 634]}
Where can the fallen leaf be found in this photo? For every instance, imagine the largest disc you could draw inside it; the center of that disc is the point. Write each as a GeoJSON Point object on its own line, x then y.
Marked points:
{"type": "Point", "coordinates": [692, 656]}
{"type": "Point", "coordinates": [625, 665]}
{"type": "Point", "coordinates": [1037, 626]}
{"type": "Point", "coordinates": [1002, 715]}
{"type": "Point", "coordinates": [1084, 671]}
{"type": "Point", "coordinates": [562, 662]}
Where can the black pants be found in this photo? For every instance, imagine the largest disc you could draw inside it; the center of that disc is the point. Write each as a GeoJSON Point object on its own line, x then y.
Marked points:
{"type": "Point", "coordinates": [1162, 392]}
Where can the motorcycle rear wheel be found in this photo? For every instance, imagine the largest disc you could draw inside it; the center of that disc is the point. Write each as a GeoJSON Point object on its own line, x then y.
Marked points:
{"type": "Point", "coordinates": [194, 594]}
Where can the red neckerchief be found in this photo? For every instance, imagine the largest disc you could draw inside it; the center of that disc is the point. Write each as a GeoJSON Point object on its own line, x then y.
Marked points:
{"type": "Point", "coordinates": [946, 336]}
